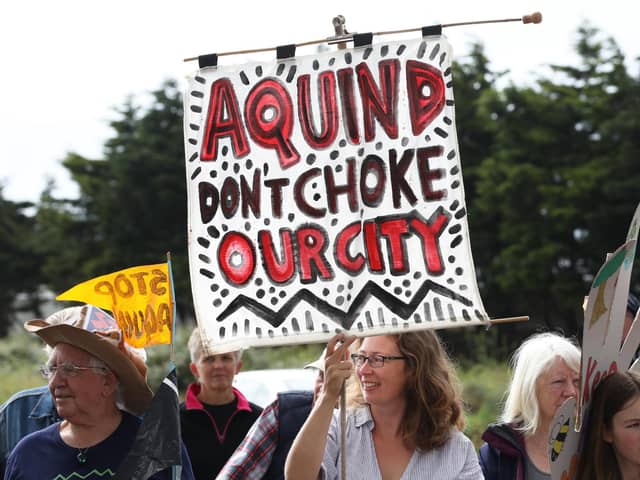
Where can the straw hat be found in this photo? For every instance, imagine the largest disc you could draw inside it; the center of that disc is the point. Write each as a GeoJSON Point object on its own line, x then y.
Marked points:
{"type": "Point", "coordinates": [68, 326]}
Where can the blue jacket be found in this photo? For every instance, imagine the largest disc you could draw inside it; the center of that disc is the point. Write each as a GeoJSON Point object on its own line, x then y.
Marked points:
{"type": "Point", "coordinates": [25, 412]}
{"type": "Point", "coordinates": [503, 455]}
{"type": "Point", "coordinates": [294, 408]}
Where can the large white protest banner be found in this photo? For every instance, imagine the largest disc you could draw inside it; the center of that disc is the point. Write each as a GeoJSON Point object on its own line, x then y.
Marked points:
{"type": "Point", "coordinates": [325, 194]}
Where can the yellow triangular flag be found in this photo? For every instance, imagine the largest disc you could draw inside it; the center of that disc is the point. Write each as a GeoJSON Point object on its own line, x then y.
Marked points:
{"type": "Point", "coordinates": [139, 297]}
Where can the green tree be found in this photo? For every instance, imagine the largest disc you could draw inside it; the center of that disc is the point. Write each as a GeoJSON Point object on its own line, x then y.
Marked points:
{"type": "Point", "coordinates": [613, 125]}
{"type": "Point", "coordinates": [20, 265]}
{"type": "Point", "coordinates": [543, 184]}
{"type": "Point", "coordinates": [132, 205]}
{"type": "Point", "coordinates": [476, 96]}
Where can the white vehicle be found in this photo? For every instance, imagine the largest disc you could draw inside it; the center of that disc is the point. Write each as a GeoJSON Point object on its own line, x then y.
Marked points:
{"type": "Point", "coordinates": [262, 386]}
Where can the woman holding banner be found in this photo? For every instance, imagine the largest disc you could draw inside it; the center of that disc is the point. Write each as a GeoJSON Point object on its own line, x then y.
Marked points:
{"type": "Point", "coordinates": [612, 444]}
{"type": "Point", "coordinates": [405, 416]}
{"type": "Point", "coordinates": [545, 373]}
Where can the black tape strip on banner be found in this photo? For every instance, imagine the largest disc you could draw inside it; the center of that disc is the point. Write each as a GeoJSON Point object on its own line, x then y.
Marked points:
{"type": "Point", "coordinates": [285, 51]}
{"type": "Point", "coordinates": [362, 39]}
{"type": "Point", "coordinates": [210, 60]}
{"type": "Point", "coordinates": [432, 30]}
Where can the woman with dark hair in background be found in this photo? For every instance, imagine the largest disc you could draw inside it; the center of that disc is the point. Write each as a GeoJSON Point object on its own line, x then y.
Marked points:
{"type": "Point", "coordinates": [612, 443]}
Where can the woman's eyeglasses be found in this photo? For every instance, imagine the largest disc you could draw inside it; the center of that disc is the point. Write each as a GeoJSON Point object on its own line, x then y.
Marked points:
{"type": "Point", "coordinates": [375, 361]}
{"type": "Point", "coordinates": [66, 370]}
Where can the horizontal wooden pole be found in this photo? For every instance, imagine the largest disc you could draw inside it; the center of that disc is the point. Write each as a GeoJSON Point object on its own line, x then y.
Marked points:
{"type": "Point", "coordinates": [525, 19]}
{"type": "Point", "coordinates": [508, 320]}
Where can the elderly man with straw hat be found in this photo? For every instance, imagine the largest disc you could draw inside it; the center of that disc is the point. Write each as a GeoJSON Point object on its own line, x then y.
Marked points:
{"type": "Point", "coordinates": [98, 386]}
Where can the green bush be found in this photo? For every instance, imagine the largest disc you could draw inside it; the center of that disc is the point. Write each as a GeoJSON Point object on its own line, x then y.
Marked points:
{"type": "Point", "coordinates": [21, 355]}
{"type": "Point", "coordinates": [484, 386]}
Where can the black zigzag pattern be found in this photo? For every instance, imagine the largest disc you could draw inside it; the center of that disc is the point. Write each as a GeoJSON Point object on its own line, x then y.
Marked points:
{"type": "Point", "coordinates": [345, 319]}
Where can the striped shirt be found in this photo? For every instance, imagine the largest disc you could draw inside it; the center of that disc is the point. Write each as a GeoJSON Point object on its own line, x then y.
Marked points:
{"type": "Point", "coordinates": [455, 460]}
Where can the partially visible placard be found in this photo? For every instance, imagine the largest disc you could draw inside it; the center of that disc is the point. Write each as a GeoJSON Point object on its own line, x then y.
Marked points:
{"type": "Point", "coordinates": [140, 299]}
{"type": "Point", "coordinates": [606, 348]}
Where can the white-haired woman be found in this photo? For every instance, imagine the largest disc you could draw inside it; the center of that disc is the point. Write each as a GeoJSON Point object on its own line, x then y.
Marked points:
{"type": "Point", "coordinates": [545, 373]}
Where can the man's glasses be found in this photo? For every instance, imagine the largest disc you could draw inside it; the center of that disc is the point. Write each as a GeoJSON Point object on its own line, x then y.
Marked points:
{"type": "Point", "coordinates": [375, 361]}
{"type": "Point", "coordinates": [66, 370]}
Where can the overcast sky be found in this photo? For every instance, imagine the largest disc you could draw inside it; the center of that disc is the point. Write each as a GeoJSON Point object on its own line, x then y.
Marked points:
{"type": "Point", "coordinates": [68, 64]}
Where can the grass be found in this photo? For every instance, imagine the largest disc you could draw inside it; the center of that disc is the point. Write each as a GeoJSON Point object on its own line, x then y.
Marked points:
{"type": "Point", "coordinates": [483, 391]}
{"type": "Point", "coordinates": [21, 354]}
